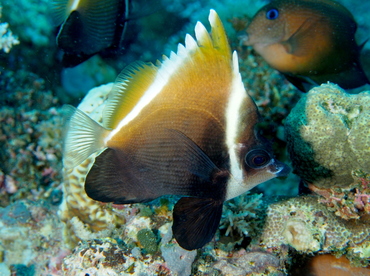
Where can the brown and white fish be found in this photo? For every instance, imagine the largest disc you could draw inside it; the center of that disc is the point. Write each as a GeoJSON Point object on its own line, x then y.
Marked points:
{"type": "Point", "coordinates": [309, 41]}
{"type": "Point", "coordinates": [89, 27]}
{"type": "Point", "coordinates": [183, 127]}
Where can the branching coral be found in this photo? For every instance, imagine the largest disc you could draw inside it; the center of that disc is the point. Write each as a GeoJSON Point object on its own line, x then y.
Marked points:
{"type": "Point", "coordinates": [239, 218]}
{"type": "Point", "coordinates": [7, 39]}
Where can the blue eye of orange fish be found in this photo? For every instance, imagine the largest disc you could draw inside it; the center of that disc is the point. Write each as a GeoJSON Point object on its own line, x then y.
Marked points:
{"type": "Point", "coordinates": [257, 158]}
{"type": "Point", "coordinates": [272, 14]}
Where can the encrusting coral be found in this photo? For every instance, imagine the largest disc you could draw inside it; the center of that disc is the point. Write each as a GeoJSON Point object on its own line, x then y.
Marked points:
{"type": "Point", "coordinates": [328, 138]}
{"type": "Point", "coordinates": [309, 227]}
{"type": "Point", "coordinates": [328, 134]}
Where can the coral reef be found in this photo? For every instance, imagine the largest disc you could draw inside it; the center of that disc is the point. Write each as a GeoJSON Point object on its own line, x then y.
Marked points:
{"type": "Point", "coordinates": [352, 202]}
{"type": "Point", "coordinates": [30, 135]}
{"type": "Point", "coordinates": [328, 136]}
{"type": "Point", "coordinates": [107, 257]}
{"type": "Point", "coordinates": [38, 32]}
{"type": "Point", "coordinates": [309, 227]}
{"type": "Point", "coordinates": [255, 236]}
{"type": "Point", "coordinates": [7, 39]}
{"type": "Point", "coordinates": [30, 239]}
{"type": "Point", "coordinates": [250, 263]}
{"type": "Point", "coordinates": [240, 219]}
{"type": "Point", "coordinates": [76, 204]}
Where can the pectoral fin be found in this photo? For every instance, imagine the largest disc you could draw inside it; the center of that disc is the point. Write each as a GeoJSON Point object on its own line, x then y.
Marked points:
{"type": "Point", "coordinates": [195, 221]}
{"type": "Point", "coordinates": [298, 43]}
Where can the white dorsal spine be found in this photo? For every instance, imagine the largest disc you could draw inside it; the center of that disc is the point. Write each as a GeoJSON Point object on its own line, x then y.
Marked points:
{"type": "Point", "coordinates": [74, 5]}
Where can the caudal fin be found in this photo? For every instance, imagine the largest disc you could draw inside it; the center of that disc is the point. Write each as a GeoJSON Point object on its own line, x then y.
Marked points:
{"type": "Point", "coordinates": [83, 137]}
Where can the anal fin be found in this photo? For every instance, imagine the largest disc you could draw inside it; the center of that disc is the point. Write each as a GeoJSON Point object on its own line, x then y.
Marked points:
{"type": "Point", "coordinates": [195, 221]}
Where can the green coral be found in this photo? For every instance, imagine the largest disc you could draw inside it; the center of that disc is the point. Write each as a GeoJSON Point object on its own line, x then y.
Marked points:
{"type": "Point", "coordinates": [239, 219]}
{"type": "Point", "coordinates": [328, 135]}
{"type": "Point", "coordinates": [148, 241]}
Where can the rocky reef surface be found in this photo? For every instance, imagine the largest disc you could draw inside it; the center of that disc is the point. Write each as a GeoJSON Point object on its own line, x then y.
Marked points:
{"type": "Point", "coordinates": [50, 227]}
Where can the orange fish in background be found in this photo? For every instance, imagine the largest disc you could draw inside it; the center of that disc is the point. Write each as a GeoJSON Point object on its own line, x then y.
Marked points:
{"type": "Point", "coordinates": [309, 41]}
{"type": "Point", "coordinates": [326, 264]}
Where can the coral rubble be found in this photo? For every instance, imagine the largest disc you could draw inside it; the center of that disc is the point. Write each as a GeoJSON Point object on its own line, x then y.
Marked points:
{"type": "Point", "coordinates": [30, 238]}
{"type": "Point", "coordinates": [107, 257]}
{"type": "Point", "coordinates": [31, 136]}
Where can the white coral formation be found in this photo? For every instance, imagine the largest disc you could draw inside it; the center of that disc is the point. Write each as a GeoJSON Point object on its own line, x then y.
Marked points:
{"type": "Point", "coordinates": [77, 208]}
{"type": "Point", "coordinates": [7, 39]}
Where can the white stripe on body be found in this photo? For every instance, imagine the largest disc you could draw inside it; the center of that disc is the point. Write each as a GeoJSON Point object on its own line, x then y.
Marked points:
{"type": "Point", "coordinates": [238, 94]}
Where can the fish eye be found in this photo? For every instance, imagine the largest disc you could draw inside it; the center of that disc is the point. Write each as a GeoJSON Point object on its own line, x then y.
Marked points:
{"type": "Point", "coordinates": [257, 158]}
{"type": "Point", "coordinates": [272, 14]}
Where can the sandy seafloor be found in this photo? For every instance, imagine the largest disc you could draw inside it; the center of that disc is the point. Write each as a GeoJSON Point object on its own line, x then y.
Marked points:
{"type": "Point", "coordinates": [49, 227]}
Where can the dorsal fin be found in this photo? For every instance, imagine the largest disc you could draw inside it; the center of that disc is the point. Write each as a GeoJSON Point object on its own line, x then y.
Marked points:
{"type": "Point", "coordinates": [59, 11]}
{"type": "Point", "coordinates": [218, 34]}
{"type": "Point", "coordinates": [90, 24]}
{"type": "Point", "coordinates": [139, 83]}
{"type": "Point", "coordinates": [129, 87]}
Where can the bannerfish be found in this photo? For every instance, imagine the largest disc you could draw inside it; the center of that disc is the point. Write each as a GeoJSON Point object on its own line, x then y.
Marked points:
{"type": "Point", "coordinates": [309, 41]}
{"type": "Point", "coordinates": [89, 27]}
{"type": "Point", "coordinates": [186, 127]}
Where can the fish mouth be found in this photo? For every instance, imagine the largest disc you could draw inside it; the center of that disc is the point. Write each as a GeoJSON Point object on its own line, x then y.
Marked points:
{"type": "Point", "coordinates": [279, 168]}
